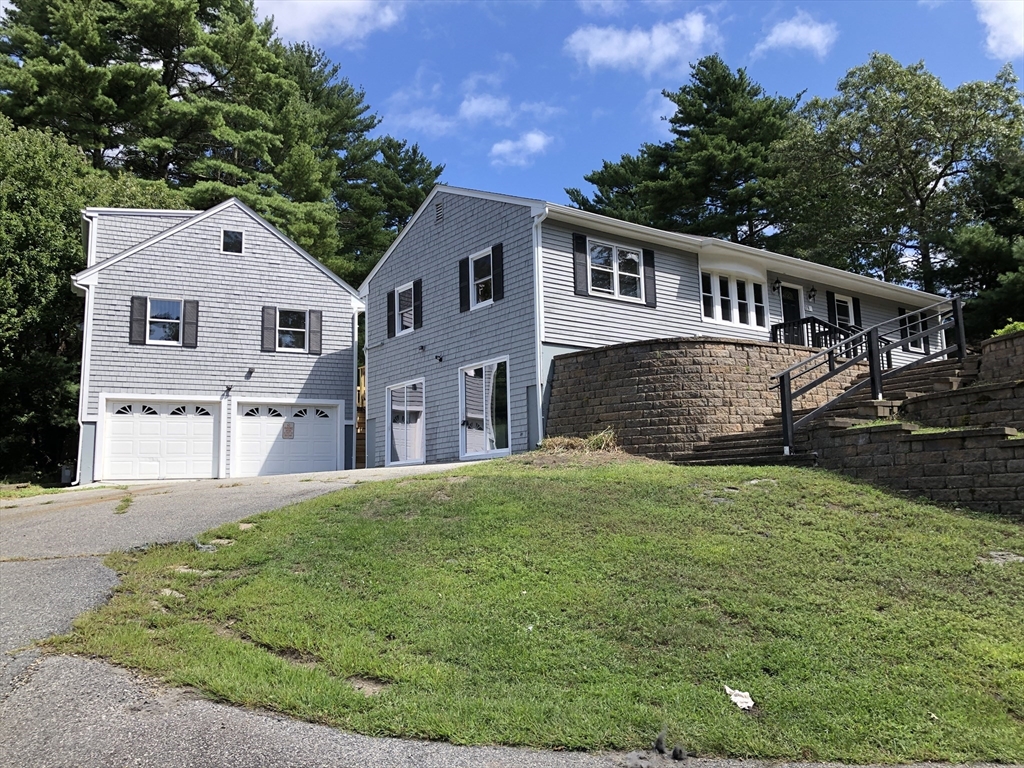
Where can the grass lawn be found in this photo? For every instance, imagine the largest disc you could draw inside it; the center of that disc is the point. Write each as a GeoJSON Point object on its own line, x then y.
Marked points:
{"type": "Point", "coordinates": [585, 601]}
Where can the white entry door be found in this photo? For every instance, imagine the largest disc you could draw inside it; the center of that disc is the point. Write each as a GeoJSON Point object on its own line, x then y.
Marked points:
{"type": "Point", "coordinates": [283, 439]}
{"type": "Point", "coordinates": [157, 441]}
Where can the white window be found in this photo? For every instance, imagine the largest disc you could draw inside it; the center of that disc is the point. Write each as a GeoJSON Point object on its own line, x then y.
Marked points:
{"type": "Point", "coordinates": [405, 314]}
{"type": "Point", "coordinates": [291, 329]}
{"type": "Point", "coordinates": [483, 396]}
{"type": "Point", "coordinates": [844, 311]}
{"type": "Point", "coordinates": [728, 299]}
{"type": "Point", "coordinates": [911, 324]}
{"type": "Point", "coordinates": [164, 321]}
{"type": "Point", "coordinates": [481, 289]}
{"type": "Point", "coordinates": [405, 436]}
{"type": "Point", "coordinates": [231, 240]}
{"type": "Point", "coordinates": [615, 271]}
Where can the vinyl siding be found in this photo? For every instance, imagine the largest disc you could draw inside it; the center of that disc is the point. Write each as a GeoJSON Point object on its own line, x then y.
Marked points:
{"type": "Point", "coordinates": [595, 321]}
{"type": "Point", "coordinates": [431, 251]}
{"type": "Point", "coordinates": [231, 290]}
{"type": "Point", "coordinates": [117, 232]}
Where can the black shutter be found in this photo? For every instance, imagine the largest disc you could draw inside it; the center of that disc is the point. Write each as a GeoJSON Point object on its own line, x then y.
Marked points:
{"type": "Point", "coordinates": [580, 264]}
{"type": "Point", "coordinates": [269, 329]}
{"type": "Point", "coordinates": [650, 291]}
{"type": "Point", "coordinates": [316, 334]}
{"type": "Point", "coordinates": [391, 314]}
{"type": "Point", "coordinates": [190, 325]}
{"type": "Point", "coordinates": [498, 272]}
{"type": "Point", "coordinates": [137, 326]}
{"type": "Point", "coordinates": [464, 285]}
{"type": "Point", "coordinates": [856, 313]}
{"type": "Point", "coordinates": [927, 341]}
{"type": "Point", "coordinates": [417, 304]}
{"type": "Point", "coordinates": [904, 331]}
{"type": "Point", "coordinates": [830, 299]}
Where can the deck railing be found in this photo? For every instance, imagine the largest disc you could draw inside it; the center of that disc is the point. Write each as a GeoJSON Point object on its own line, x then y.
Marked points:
{"type": "Point", "coordinates": [875, 346]}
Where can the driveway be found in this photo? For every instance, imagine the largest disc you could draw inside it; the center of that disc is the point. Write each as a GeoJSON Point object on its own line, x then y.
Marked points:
{"type": "Point", "coordinates": [70, 711]}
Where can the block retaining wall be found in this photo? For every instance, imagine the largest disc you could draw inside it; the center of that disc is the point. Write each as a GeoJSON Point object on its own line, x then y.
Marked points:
{"type": "Point", "coordinates": [664, 396]}
{"type": "Point", "coordinates": [1002, 358]}
{"type": "Point", "coordinates": [978, 468]}
{"type": "Point", "coordinates": [999, 404]}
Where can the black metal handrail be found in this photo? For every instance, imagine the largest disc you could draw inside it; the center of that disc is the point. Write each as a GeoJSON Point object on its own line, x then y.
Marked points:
{"type": "Point", "coordinates": [944, 318]}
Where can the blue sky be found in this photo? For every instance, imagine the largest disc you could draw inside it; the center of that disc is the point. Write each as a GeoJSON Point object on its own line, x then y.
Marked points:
{"type": "Point", "coordinates": [526, 97]}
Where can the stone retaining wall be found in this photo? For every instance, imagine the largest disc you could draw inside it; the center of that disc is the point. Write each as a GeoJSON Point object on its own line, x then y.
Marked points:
{"type": "Point", "coordinates": [978, 468]}
{"type": "Point", "coordinates": [999, 404]}
{"type": "Point", "coordinates": [664, 396]}
{"type": "Point", "coordinates": [1002, 358]}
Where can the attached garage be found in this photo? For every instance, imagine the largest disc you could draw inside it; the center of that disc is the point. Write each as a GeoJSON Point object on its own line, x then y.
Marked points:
{"type": "Point", "coordinates": [278, 438]}
{"type": "Point", "coordinates": [150, 440]}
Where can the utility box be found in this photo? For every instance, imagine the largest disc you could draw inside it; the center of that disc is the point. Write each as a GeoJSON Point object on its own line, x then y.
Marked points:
{"type": "Point", "coordinates": [67, 473]}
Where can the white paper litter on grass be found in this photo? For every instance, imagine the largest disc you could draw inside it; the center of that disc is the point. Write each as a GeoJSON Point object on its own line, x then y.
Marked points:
{"type": "Point", "coordinates": [740, 698]}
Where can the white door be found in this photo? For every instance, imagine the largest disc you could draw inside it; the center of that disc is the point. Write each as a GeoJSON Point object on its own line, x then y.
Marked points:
{"type": "Point", "coordinates": [283, 439]}
{"type": "Point", "coordinates": [157, 441]}
{"type": "Point", "coordinates": [405, 424]}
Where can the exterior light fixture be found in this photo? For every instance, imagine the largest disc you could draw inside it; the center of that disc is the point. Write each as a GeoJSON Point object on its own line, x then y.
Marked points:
{"type": "Point", "coordinates": [812, 293]}
{"type": "Point", "coordinates": [777, 285]}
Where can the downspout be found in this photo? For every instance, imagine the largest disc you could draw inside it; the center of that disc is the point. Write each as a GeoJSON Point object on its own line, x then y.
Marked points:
{"type": "Point", "coordinates": [538, 318]}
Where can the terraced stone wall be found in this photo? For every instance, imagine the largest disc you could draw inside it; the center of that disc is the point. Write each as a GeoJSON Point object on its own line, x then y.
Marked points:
{"type": "Point", "coordinates": [664, 396]}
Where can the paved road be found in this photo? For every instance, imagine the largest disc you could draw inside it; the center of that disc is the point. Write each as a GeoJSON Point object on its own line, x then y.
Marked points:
{"type": "Point", "coordinates": [68, 711]}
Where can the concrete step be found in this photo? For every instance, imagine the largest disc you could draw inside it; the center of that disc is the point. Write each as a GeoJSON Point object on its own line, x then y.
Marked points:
{"type": "Point", "coordinates": [796, 460]}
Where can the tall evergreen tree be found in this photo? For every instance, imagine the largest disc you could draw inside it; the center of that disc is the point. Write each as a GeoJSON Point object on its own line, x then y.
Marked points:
{"type": "Point", "coordinates": [709, 179]}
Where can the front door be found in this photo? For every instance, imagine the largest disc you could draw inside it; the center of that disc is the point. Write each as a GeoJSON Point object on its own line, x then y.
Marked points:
{"type": "Point", "coordinates": [791, 315]}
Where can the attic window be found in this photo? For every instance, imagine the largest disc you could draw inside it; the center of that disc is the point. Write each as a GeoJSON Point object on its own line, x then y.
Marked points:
{"type": "Point", "coordinates": [231, 241]}
{"type": "Point", "coordinates": [438, 213]}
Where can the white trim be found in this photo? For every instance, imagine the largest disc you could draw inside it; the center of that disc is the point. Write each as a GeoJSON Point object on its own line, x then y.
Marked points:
{"type": "Point", "coordinates": [463, 456]}
{"type": "Point", "coordinates": [305, 331]}
{"type": "Point", "coordinates": [387, 424]}
{"type": "Point", "coordinates": [143, 211]}
{"type": "Point", "coordinates": [230, 202]}
{"type": "Point", "coordinates": [536, 208]}
{"type": "Point", "coordinates": [398, 309]}
{"type": "Point", "coordinates": [355, 388]}
{"type": "Point", "coordinates": [232, 253]}
{"type": "Point", "coordinates": [238, 401]}
{"type": "Point", "coordinates": [849, 305]}
{"type": "Point", "coordinates": [98, 459]}
{"type": "Point", "coordinates": [180, 321]}
{"type": "Point", "coordinates": [615, 294]}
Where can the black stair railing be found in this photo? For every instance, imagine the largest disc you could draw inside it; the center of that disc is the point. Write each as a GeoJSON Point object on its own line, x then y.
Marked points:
{"type": "Point", "coordinates": [913, 336]}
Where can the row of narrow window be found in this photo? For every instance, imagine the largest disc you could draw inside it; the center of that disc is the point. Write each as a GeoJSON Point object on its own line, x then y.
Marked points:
{"type": "Point", "coordinates": [274, 413]}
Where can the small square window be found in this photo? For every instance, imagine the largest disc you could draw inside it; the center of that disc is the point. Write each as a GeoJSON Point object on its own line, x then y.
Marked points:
{"type": "Point", "coordinates": [231, 241]}
{"type": "Point", "coordinates": [291, 329]}
{"type": "Point", "coordinates": [164, 321]}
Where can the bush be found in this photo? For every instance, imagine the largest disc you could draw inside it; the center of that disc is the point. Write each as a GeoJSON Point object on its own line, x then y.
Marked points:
{"type": "Point", "coordinates": [1014, 326]}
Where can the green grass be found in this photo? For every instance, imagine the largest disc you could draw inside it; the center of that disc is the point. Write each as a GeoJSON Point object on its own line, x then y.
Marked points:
{"type": "Point", "coordinates": [24, 490]}
{"type": "Point", "coordinates": [124, 504]}
{"type": "Point", "coordinates": [583, 604]}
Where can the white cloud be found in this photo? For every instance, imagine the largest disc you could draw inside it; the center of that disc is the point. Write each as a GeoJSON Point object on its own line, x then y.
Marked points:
{"type": "Point", "coordinates": [602, 7]}
{"type": "Point", "coordinates": [1004, 20]}
{"type": "Point", "coordinates": [801, 32]}
{"type": "Point", "coordinates": [334, 21]}
{"type": "Point", "coordinates": [541, 110]}
{"type": "Point", "coordinates": [522, 151]}
{"type": "Point", "coordinates": [4, 5]}
{"type": "Point", "coordinates": [425, 119]}
{"type": "Point", "coordinates": [668, 45]}
{"type": "Point", "coordinates": [931, 5]}
{"type": "Point", "coordinates": [484, 106]}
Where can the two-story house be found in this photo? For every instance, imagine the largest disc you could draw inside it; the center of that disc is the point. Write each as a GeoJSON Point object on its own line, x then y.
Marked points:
{"type": "Point", "coordinates": [213, 346]}
{"type": "Point", "coordinates": [480, 291]}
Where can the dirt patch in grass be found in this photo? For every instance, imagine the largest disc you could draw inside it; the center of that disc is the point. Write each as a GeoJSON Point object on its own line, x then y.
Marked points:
{"type": "Point", "coordinates": [367, 686]}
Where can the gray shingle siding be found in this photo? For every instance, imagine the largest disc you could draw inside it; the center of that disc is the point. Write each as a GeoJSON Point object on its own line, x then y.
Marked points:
{"type": "Point", "coordinates": [231, 290]}
{"type": "Point", "coordinates": [117, 232]}
{"type": "Point", "coordinates": [431, 252]}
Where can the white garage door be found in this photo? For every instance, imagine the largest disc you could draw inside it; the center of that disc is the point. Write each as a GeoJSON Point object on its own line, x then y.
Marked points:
{"type": "Point", "coordinates": [155, 441]}
{"type": "Point", "coordinates": [281, 439]}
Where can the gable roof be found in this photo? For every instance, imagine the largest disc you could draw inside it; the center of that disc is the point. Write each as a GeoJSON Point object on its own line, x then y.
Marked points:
{"type": "Point", "coordinates": [537, 207]}
{"type": "Point", "coordinates": [790, 265]}
{"type": "Point", "coordinates": [82, 277]}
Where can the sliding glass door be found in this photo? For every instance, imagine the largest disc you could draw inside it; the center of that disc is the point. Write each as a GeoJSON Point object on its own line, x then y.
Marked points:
{"type": "Point", "coordinates": [484, 404]}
